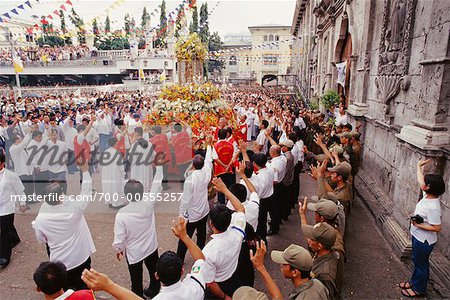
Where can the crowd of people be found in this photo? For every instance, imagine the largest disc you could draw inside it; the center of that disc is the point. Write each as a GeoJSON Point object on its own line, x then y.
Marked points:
{"type": "Point", "coordinates": [244, 184]}
{"type": "Point", "coordinates": [46, 54]}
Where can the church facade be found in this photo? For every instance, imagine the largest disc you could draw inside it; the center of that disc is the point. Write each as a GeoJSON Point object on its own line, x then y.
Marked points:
{"type": "Point", "coordinates": [389, 61]}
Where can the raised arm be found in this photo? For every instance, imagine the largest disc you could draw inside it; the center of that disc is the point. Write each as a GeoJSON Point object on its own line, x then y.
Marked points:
{"type": "Point", "coordinates": [221, 188]}
{"type": "Point", "coordinates": [258, 262]}
{"type": "Point", "coordinates": [241, 171]}
{"type": "Point", "coordinates": [420, 177]}
{"type": "Point", "coordinates": [179, 230]}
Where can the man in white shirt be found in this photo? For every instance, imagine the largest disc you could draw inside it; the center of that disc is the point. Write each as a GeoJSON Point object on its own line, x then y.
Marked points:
{"type": "Point", "coordinates": [278, 165]}
{"type": "Point", "coordinates": [57, 159]}
{"type": "Point", "coordinates": [194, 201]}
{"type": "Point", "coordinates": [10, 187]}
{"type": "Point", "coordinates": [341, 118]}
{"type": "Point", "coordinates": [261, 139]}
{"type": "Point", "coordinates": [222, 252]}
{"type": "Point", "coordinates": [103, 125]}
{"type": "Point", "coordinates": [299, 122]}
{"type": "Point", "coordinates": [169, 270]}
{"type": "Point", "coordinates": [19, 157]}
{"type": "Point", "coordinates": [68, 237]}
{"type": "Point", "coordinates": [38, 161]}
{"type": "Point", "coordinates": [135, 233]}
{"type": "Point", "coordinates": [69, 134]}
{"type": "Point", "coordinates": [141, 156]}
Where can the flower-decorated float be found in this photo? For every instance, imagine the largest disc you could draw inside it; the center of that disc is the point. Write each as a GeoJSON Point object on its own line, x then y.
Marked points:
{"type": "Point", "coordinates": [190, 53]}
{"type": "Point", "coordinates": [198, 105]}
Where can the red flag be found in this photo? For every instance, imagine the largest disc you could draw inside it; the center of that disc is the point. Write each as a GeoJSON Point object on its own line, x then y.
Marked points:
{"type": "Point", "coordinates": [50, 17]}
{"type": "Point", "coordinates": [63, 7]}
{"type": "Point", "coordinates": [68, 2]}
{"type": "Point", "coordinates": [56, 12]}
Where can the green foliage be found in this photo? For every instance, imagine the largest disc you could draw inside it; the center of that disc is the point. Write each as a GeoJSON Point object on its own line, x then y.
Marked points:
{"type": "Point", "coordinates": [107, 24]}
{"type": "Point", "coordinates": [215, 44]}
{"type": "Point", "coordinates": [162, 26]}
{"type": "Point", "coordinates": [63, 21]}
{"type": "Point", "coordinates": [78, 22]}
{"type": "Point", "coordinates": [145, 17]}
{"type": "Point", "coordinates": [51, 40]}
{"type": "Point", "coordinates": [194, 25]}
{"type": "Point", "coordinates": [330, 99]}
{"type": "Point", "coordinates": [204, 26]}
{"type": "Point", "coordinates": [113, 43]}
{"type": "Point", "coordinates": [127, 23]}
{"type": "Point", "coordinates": [178, 22]}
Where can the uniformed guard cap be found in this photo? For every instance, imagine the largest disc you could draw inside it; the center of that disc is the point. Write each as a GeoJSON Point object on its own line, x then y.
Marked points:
{"type": "Point", "coordinates": [344, 169]}
{"type": "Point", "coordinates": [294, 255]}
{"type": "Point", "coordinates": [322, 233]}
{"type": "Point", "coordinates": [324, 207]}
{"type": "Point", "coordinates": [248, 293]}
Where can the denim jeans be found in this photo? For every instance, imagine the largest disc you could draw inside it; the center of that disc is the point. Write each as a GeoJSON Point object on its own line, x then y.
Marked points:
{"type": "Point", "coordinates": [421, 256]}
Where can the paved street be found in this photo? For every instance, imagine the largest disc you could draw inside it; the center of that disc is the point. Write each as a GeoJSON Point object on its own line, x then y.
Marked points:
{"type": "Point", "coordinates": [371, 271]}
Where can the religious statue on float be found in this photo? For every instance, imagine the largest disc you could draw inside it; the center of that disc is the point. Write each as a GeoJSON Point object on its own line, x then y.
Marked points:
{"type": "Point", "coordinates": [190, 53]}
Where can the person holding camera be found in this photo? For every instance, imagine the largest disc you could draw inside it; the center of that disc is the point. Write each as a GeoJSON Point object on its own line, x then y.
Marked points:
{"type": "Point", "coordinates": [425, 224]}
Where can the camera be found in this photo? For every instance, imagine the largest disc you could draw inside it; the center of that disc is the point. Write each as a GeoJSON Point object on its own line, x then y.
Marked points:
{"type": "Point", "coordinates": [416, 218]}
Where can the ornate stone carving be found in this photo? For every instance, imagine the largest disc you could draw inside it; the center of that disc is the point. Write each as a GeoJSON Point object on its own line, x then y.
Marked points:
{"type": "Point", "coordinates": [395, 42]}
{"type": "Point", "coordinates": [395, 50]}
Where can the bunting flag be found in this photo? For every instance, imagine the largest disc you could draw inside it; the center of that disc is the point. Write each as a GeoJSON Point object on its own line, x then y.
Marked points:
{"type": "Point", "coordinates": [56, 12]}
{"type": "Point", "coordinates": [14, 11]}
{"type": "Point", "coordinates": [28, 3]}
{"type": "Point", "coordinates": [50, 17]}
{"type": "Point", "coordinates": [69, 2]}
{"type": "Point", "coordinates": [7, 15]}
{"type": "Point", "coordinates": [21, 7]}
{"type": "Point", "coordinates": [63, 7]}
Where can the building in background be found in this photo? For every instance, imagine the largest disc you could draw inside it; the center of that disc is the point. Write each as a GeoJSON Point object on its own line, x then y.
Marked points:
{"type": "Point", "coordinates": [389, 61]}
{"type": "Point", "coordinates": [268, 52]}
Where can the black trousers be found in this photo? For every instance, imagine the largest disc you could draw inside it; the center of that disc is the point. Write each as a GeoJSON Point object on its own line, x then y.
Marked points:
{"type": "Point", "coordinates": [182, 169]}
{"type": "Point", "coordinates": [276, 207]}
{"type": "Point", "coordinates": [264, 207]}
{"type": "Point", "coordinates": [8, 236]}
{"type": "Point", "coordinates": [229, 179]}
{"type": "Point", "coordinates": [137, 275]}
{"type": "Point", "coordinates": [40, 180]}
{"type": "Point", "coordinates": [74, 281]}
{"type": "Point", "coordinates": [27, 181]}
{"type": "Point", "coordinates": [287, 200]}
{"type": "Point", "coordinates": [200, 227]}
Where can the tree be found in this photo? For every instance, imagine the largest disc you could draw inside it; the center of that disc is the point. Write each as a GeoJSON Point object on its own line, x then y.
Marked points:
{"type": "Point", "coordinates": [194, 24]}
{"type": "Point", "coordinates": [145, 18]}
{"type": "Point", "coordinates": [127, 23]}
{"type": "Point", "coordinates": [95, 27]}
{"type": "Point", "coordinates": [215, 44]}
{"type": "Point", "coordinates": [107, 24]}
{"type": "Point", "coordinates": [63, 22]}
{"type": "Point", "coordinates": [45, 25]}
{"type": "Point", "coordinates": [204, 26]}
{"type": "Point", "coordinates": [178, 21]}
{"type": "Point", "coordinates": [78, 22]}
{"type": "Point", "coordinates": [162, 26]}
{"type": "Point", "coordinates": [51, 40]}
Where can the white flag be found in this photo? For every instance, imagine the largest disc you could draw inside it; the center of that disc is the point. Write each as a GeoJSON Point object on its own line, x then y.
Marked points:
{"type": "Point", "coordinates": [342, 71]}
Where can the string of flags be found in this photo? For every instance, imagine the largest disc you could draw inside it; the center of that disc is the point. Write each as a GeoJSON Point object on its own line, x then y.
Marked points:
{"type": "Point", "coordinates": [9, 15]}
{"type": "Point", "coordinates": [262, 46]}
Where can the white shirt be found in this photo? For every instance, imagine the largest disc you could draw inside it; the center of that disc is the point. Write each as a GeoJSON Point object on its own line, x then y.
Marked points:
{"type": "Point", "coordinates": [261, 139]}
{"type": "Point", "coordinates": [187, 289]}
{"type": "Point", "coordinates": [64, 228]}
{"type": "Point", "coordinates": [37, 155]}
{"type": "Point", "coordinates": [194, 201]}
{"type": "Point", "coordinates": [300, 123]}
{"type": "Point", "coordinates": [297, 151]}
{"type": "Point", "coordinates": [222, 252]}
{"type": "Point", "coordinates": [20, 157]}
{"type": "Point", "coordinates": [430, 211]}
{"type": "Point", "coordinates": [10, 187]}
{"type": "Point", "coordinates": [278, 165]}
{"type": "Point", "coordinates": [57, 158]}
{"type": "Point", "coordinates": [341, 119]}
{"type": "Point", "coordinates": [134, 228]}
{"type": "Point", "coordinates": [251, 209]}
{"type": "Point", "coordinates": [69, 133]}
{"type": "Point", "coordinates": [265, 178]}
{"type": "Point", "coordinates": [103, 125]}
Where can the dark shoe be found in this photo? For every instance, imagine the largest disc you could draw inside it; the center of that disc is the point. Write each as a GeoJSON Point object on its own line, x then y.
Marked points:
{"type": "Point", "coordinates": [4, 263]}
{"type": "Point", "coordinates": [272, 232]}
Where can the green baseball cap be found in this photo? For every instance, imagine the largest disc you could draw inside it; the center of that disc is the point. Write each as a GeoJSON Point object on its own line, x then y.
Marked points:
{"type": "Point", "coordinates": [321, 232]}
{"type": "Point", "coordinates": [295, 256]}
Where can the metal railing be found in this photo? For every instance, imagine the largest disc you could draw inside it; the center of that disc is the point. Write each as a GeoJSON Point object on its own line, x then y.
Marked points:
{"type": "Point", "coordinates": [64, 63]}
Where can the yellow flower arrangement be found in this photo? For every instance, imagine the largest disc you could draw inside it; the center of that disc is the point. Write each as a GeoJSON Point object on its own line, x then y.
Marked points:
{"type": "Point", "coordinates": [190, 48]}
